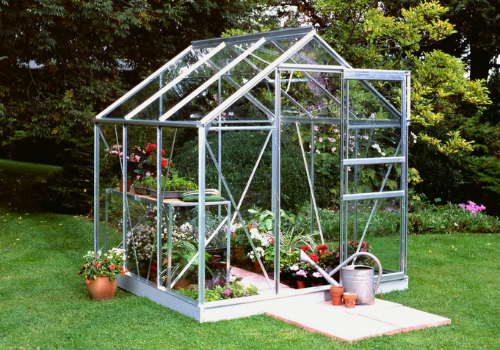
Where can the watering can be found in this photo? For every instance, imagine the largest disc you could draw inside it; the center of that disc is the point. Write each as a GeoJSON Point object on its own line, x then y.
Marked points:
{"type": "Point", "coordinates": [357, 278]}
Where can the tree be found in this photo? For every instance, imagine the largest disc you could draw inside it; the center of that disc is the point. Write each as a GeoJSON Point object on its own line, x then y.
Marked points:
{"type": "Point", "coordinates": [476, 40]}
{"type": "Point", "coordinates": [444, 100]}
{"type": "Point", "coordinates": [63, 61]}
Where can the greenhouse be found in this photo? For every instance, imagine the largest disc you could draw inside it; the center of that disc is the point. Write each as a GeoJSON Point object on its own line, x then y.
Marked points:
{"type": "Point", "coordinates": [224, 145]}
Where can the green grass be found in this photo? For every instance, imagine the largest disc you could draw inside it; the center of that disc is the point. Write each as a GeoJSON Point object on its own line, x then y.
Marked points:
{"type": "Point", "coordinates": [44, 303]}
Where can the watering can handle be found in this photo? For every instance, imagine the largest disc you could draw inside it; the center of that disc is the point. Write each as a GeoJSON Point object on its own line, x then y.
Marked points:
{"type": "Point", "coordinates": [352, 257]}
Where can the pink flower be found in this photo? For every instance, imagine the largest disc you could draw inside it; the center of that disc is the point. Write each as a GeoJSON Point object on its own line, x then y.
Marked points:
{"type": "Point", "coordinates": [227, 291]}
{"type": "Point", "coordinates": [112, 266]}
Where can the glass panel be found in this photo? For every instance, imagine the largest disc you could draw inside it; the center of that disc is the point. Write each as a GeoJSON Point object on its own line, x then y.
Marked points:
{"type": "Point", "coordinates": [382, 237]}
{"type": "Point", "coordinates": [373, 143]}
{"type": "Point", "coordinates": [314, 53]}
{"type": "Point", "coordinates": [317, 93]}
{"type": "Point", "coordinates": [187, 85]}
{"type": "Point", "coordinates": [152, 87]}
{"type": "Point", "coordinates": [365, 105]}
{"type": "Point", "coordinates": [180, 258]}
{"type": "Point", "coordinates": [262, 95]}
{"type": "Point", "coordinates": [371, 178]}
{"type": "Point", "coordinates": [260, 58]}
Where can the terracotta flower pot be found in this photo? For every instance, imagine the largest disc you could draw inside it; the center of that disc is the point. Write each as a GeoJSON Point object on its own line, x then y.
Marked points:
{"type": "Point", "coordinates": [129, 183]}
{"type": "Point", "coordinates": [301, 284]}
{"type": "Point", "coordinates": [182, 284]}
{"type": "Point", "coordinates": [239, 255]}
{"type": "Point", "coordinates": [350, 299]}
{"type": "Point", "coordinates": [102, 288]}
{"type": "Point", "coordinates": [336, 294]}
{"type": "Point", "coordinates": [256, 266]}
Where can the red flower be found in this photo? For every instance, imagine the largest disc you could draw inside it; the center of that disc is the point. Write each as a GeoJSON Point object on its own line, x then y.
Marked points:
{"type": "Point", "coordinates": [313, 257]}
{"type": "Point", "coordinates": [305, 248]}
{"type": "Point", "coordinates": [364, 250]}
{"type": "Point", "coordinates": [120, 267]}
{"type": "Point", "coordinates": [271, 240]}
{"type": "Point", "coordinates": [96, 263]}
{"type": "Point", "coordinates": [322, 247]}
{"type": "Point", "coordinates": [88, 281]}
{"type": "Point", "coordinates": [150, 147]}
{"type": "Point", "coordinates": [163, 152]}
{"type": "Point", "coordinates": [164, 163]}
{"type": "Point", "coordinates": [112, 266]}
{"type": "Point", "coordinates": [124, 272]}
{"type": "Point", "coordinates": [322, 252]}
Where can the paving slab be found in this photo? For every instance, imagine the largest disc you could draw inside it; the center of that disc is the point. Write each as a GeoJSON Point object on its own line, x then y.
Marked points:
{"type": "Point", "coordinates": [358, 323]}
{"type": "Point", "coordinates": [342, 323]}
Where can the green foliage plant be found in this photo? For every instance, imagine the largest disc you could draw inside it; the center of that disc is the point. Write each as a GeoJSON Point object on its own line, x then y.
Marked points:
{"type": "Point", "coordinates": [231, 290]}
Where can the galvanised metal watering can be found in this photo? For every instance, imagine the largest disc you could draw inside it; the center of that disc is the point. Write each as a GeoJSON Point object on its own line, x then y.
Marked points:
{"type": "Point", "coordinates": [355, 278]}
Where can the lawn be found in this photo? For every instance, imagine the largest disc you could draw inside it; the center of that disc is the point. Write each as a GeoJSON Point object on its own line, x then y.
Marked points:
{"type": "Point", "coordinates": [44, 303]}
{"type": "Point", "coordinates": [21, 183]}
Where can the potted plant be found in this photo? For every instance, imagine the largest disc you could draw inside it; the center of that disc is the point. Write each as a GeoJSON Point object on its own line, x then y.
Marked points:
{"type": "Point", "coordinates": [173, 188]}
{"type": "Point", "coordinates": [101, 272]}
{"type": "Point", "coordinates": [239, 244]}
{"type": "Point", "coordinates": [142, 184]}
{"type": "Point", "coordinates": [299, 273]}
{"type": "Point", "coordinates": [141, 248]}
{"type": "Point", "coordinates": [114, 161]}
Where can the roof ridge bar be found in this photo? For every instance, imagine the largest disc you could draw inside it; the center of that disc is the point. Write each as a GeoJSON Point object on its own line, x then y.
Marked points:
{"type": "Point", "coordinates": [210, 81]}
{"type": "Point", "coordinates": [273, 34]}
{"type": "Point", "coordinates": [255, 80]}
{"type": "Point", "coordinates": [143, 83]}
{"type": "Point", "coordinates": [174, 82]}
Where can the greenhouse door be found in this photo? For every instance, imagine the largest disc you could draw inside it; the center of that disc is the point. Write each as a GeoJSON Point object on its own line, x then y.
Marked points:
{"type": "Point", "coordinates": [373, 179]}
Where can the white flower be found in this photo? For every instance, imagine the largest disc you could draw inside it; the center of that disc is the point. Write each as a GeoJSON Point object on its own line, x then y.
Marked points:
{"type": "Point", "coordinates": [301, 273]}
{"type": "Point", "coordinates": [294, 267]}
{"type": "Point", "coordinates": [316, 275]}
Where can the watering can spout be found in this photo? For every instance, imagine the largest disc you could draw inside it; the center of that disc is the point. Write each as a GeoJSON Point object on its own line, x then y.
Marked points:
{"type": "Point", "coordinates": [304, 258]}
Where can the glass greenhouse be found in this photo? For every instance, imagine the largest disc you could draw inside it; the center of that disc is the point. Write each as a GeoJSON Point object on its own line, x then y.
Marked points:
{"type": "Point", "coordinates": [256, 126]}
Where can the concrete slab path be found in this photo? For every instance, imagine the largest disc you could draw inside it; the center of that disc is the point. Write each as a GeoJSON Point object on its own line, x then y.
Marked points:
{"type": "Point", "coordinates": [342, 323]}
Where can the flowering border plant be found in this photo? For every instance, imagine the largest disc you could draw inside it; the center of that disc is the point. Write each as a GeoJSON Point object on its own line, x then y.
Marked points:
{"type": "Point", "coordinates": [99, 264]}
{"type": "Point", "coordinates": [472, 207]}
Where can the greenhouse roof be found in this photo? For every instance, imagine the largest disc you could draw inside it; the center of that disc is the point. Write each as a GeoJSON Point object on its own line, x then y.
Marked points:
{"type": "Point", "coordinates": [204, 82]}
